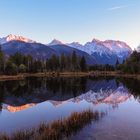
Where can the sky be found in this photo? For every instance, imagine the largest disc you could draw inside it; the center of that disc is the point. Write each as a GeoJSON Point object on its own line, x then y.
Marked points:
{"type": "Point", "coordinates": [72, 20]}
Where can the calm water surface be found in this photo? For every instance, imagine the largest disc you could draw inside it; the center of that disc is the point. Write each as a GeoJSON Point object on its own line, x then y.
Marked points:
{"type": "Point", "coordinates": [25, 104]}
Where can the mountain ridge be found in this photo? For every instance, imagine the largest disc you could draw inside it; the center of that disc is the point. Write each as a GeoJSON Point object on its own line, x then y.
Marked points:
{"type": "Point", "coordinates": [103, 52]}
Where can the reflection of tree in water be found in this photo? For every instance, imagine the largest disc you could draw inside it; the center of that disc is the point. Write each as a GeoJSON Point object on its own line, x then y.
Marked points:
{"type": "Point", "coordinates": [66, 85]}
{"type": "Point", "coordinates": [35, 90]}
{"type": "Point", "coordinates": [15, 87]}
{"type": "Point", "coordinates": [133, 85]}
{"type": "Point", "coordinates": [53, 85]}
{"type": "Point", "coordinates": [115, 106]}
{"type": "Point", "coordinates": [2, 92]}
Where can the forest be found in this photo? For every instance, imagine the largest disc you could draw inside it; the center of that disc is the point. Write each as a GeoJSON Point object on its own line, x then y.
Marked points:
{"type": "Point", "coordinates": [131, 65]}
{"type": "Point", "coordinates": [19, 63]}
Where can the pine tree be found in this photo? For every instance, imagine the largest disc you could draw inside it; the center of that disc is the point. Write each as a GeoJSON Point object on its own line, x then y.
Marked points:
{"type": "Point", "coordinates": [68, 63]}
{"type": "Point", "coordinates": [29, 62]}
{"type": "Point", "coordinates": [55, 62]}
{"type": "Point", "coordinates": [83, 64]}
{"type": "Point", "coordinates": [117, 64]}
{"type": "Point", "coordinates": [62, 62]}
{"type": "Point", "coordinates": [74, 61]}
{"type": "Point", "coordinates": [1, 60]}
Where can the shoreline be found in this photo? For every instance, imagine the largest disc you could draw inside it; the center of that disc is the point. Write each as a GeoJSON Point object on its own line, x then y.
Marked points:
{"type": "Point", "coordinates": [48, 74]}
{"type": "Point", "coordinates": [115, 74]}
{"type": "Point", "coordinates": [68, 74]}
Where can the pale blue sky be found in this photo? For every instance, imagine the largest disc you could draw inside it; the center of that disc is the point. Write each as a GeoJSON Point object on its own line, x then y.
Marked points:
{"type": "Point", "coordinates": [72, 20]}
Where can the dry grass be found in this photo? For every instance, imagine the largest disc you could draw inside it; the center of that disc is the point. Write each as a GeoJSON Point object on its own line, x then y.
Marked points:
{"type": "Point", "coordinates": [57, 130]}
{"type": "Point", "coordinates": [68, 74]}
{"type": "Point", "coordinates": [11, 77]}
{"type": "Point", "coordinates": [114, 74]}
{"type": "Point", "coordinates": [48, 74]}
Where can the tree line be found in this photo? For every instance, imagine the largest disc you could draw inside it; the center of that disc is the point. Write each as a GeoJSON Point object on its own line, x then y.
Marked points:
{"type": "Point", "coordinates": [131, 65]}
{"type": "Point", "coordinates": [105, 67]}
{"type": "Point", "coordinates": [19, 63]}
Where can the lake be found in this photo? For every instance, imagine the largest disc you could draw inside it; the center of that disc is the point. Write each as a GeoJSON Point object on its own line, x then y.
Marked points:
{"type": "Point", "coordinates": [27, 103]}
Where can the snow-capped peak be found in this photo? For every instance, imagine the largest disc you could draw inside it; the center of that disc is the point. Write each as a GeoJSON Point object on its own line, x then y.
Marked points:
{"type": "Point", "coordinates": [112, 43]}
{"type": "Point", "coordinates": [55, 42]}
{"type": "Point", "coordinates": [76, 44]}
{"type": "Point", "coordinates": [108, 47]}
{"type": "Point", "coordinates": [15, 38]}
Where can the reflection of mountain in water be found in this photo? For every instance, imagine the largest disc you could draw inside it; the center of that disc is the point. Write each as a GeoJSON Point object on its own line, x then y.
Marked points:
{"type": "Point", "coordinates": [19, 95]}
{"type": "Point", "coordinates": [17, 108]}
{"type": "Point", "coordinates": [110, 96]}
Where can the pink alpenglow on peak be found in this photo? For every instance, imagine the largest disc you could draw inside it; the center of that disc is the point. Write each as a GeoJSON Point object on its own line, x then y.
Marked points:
{"type": "Point", "coordinates": [120, 44]}
{"type": "Point", "coordinates": [15, 38]}
{"type": "Point", "coordinates": [119, 48]}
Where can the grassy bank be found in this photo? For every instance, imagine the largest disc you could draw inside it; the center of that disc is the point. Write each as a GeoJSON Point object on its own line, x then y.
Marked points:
{"type": "Point", "coordinates": [57, 130]}
{"type": "Point", "coordinates": [68, 74]}
{"type": "Point", "coordinates": [114, 74]}
{"type": "Point", "coordinates": [48, 74]}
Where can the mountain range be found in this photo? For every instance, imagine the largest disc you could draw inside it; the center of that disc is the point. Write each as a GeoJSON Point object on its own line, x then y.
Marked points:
{"type": "Point", "coordinates": [95, 52]}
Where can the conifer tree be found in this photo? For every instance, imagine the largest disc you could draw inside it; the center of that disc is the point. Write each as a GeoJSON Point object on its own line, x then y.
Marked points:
{"type": "Point", "coordinates": [1, 60]}
{"type": "Point", "coordinates": [74, 61]}
{"type": "Point", "coordinates": [62, 62]}
{"type": "Point", "coordinates": [83, 64]}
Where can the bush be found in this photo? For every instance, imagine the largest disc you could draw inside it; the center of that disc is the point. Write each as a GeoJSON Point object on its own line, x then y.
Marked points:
{"type": "Point", "coordinates": [22, 68]}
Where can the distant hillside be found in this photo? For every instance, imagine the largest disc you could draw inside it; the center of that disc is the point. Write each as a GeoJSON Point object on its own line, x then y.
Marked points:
{"type": "Point", "coordinates": [40, 51]}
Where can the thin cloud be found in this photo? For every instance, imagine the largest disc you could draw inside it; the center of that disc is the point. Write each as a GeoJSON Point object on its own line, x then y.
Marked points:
{"type": "Point", "coordinates": [118, 7]}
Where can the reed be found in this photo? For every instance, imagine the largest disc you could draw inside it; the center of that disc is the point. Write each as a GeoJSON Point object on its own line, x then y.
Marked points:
{"type": "Point", "coordinates": [56, 130]}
